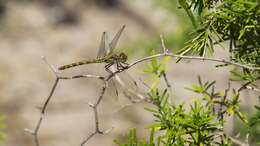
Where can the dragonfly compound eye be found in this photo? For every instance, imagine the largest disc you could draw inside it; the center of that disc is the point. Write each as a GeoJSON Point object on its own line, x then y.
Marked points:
{"type": "Point", "coordinates": [123, 57]}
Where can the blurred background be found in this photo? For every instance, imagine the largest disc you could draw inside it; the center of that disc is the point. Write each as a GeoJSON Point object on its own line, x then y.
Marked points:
{"type": "Point", "coordinates": [65, 31]}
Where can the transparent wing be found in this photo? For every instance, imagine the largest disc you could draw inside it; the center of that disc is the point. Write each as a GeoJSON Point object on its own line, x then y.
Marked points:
{"type": "Point", "coordinates": [129, 87]}
{"type": "Point", "coordinates": [112, 90]}
{"type": "Point", "coordinates": [113, 43]}
{"type": "Point", "coordinates": [102, 46]}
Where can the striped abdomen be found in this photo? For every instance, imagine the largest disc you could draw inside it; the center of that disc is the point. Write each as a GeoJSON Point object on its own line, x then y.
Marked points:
{"type": "Point", "coordinates": [81, 63]}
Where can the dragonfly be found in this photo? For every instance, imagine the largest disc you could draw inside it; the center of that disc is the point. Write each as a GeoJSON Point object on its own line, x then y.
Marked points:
{"type": "Point", "coordinates": [105, 55]}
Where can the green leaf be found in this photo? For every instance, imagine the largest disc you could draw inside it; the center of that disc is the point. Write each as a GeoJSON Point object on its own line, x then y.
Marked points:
{"type": "Point", "coordinates": [241, 117]}
{"type": "Point", "coordinates": [196, 88]}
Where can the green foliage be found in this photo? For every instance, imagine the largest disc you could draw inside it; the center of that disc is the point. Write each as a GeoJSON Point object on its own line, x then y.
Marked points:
{"type": "Point", "coordinates": [133, 140]}
{"type": "Point", "coordinates": [201, 5]}
{"type": "Point", "coordinates": [256, 119]}
{"type": "Point", "coordinates": [184, 4]}
{"type": "Point", "coordinates": [201, 123]}
{"type": "Point", "coordinates": [2, 127]}
{"type": "Point", "coordinates": [231, 105]}
{"type": "Point", "coordinates": [244, 75]}
{"type": "Point", "coordinates": [176, 38]}
{"type": "Point", "coordinates": [155, 70]}
{"type": "Point", "coordinates": [216, 21]}
{"type": "Point", "coordinates": [201, 44]}
{"type": "Point", "coordinates": [250, 77]}
{"type": "Point", "coordinates": [205, 34]}
{"type": "Point", "coordinates": [237, 21]}
{"type": "Point", "coordinates": [202, 87]}
{"type": "Point", "coordinates": [254, 124]}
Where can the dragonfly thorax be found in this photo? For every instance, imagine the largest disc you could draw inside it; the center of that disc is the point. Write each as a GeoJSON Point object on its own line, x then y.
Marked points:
{"type": "Point", "coordinates": [114, 58]}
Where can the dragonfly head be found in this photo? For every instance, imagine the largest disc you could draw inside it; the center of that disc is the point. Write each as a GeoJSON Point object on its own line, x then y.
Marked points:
{"type": "Point", "coordinates": [122, 57]}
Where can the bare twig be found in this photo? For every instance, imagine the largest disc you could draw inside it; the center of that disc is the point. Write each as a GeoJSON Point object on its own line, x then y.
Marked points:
{"type": "Point", "coordinates": [82, 76]}
{"type": "Point", "coordinates": [168, 84]}
{"type": "Point", "coordinates": [167, 81]}
{"type": "Point", "coordinates": [50, 96]}
{"type": "Point", "coordinates": [88, 138]}
{"type": "Point", "coordinates": [194, 58]}
{"type": "Point", "coordinates": [253, 88]}
{"type": "Point", "coordinates": [53, 69]}
{"type": "Point", "coordinates": [47, 101]}
{"type": "Point", "coordinates": [43, 109]}
{"type": "Point", "coordinates": [165, 50]}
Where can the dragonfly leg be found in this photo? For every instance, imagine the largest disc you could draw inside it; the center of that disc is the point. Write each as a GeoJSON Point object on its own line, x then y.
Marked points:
{"type": "Point", "coordinates": [122, 65]}
{"type": "Point", "coordinates": [118, 65]}
{"type": "Point", "coordinates": [107, 68]}
{"type": "Point", "coordinates": [125, 64]}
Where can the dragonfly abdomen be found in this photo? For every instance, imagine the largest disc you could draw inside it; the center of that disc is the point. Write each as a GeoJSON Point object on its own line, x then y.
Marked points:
{"type": "Point", "coordinates": [80, 63]}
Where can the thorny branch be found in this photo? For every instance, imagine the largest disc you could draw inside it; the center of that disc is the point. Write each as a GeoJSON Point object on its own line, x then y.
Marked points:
{"type": "Point", "coordinates": [253, 88]}
{"type": "Point", "coordinates": [194, 58]}
{"type": "Point", "coordinates": [46, 103]}
{"type": "Point", "coordinates": [105, 85]}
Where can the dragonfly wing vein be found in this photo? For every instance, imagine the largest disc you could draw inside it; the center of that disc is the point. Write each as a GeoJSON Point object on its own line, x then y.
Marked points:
{"type": "Point", "coordinates": [102, 46]}
{"type": "Point", "coordinates": [113, 43]}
